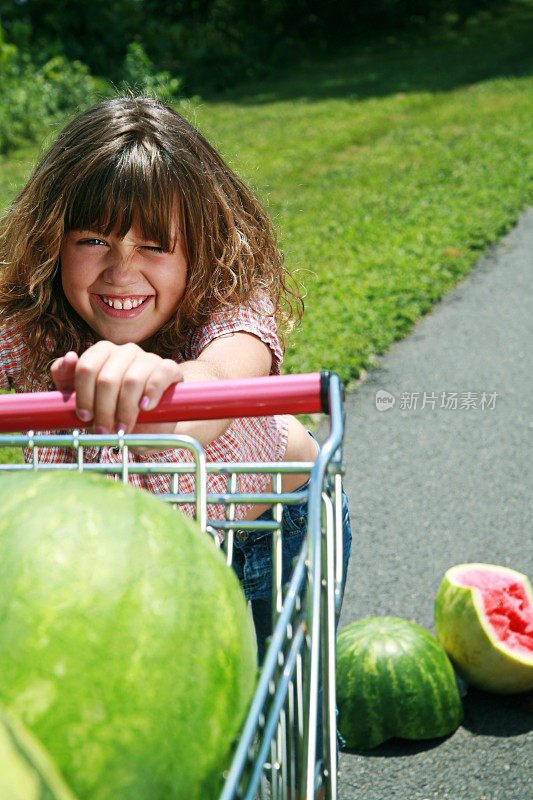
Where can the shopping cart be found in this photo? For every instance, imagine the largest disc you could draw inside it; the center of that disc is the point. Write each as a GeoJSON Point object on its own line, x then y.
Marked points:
{"type": "Point", "coordinates": [276, 755]}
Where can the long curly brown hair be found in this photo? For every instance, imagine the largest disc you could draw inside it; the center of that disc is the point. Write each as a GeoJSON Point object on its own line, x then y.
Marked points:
{"type": "Point", "coordinates": [130, 156]}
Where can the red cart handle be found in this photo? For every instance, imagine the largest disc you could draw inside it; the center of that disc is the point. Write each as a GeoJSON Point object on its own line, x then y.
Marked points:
{"type": "Point", "coordinates": [241, 397]}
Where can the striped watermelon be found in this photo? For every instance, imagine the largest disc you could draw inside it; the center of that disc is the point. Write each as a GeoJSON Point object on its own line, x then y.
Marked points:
{"type": "Point", "coordinates": [393, 679]}
{"type": "Point", "coordinates": [26, 770]}
{"type": "Point", "coordinates": [126, 644]}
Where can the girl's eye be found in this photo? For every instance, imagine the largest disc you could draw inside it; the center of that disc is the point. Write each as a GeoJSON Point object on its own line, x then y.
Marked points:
{"type": "Point", "coordinates": [96, 242]}
{"type": "Point", "coordinates": [92, 241]}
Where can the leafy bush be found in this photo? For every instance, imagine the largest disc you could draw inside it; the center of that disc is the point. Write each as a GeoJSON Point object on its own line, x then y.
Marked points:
{"type": "Point", "coordinates": [15, 101]}
{"type": "Point", "coordinates": [33, 97]}
{"type": "Point", "coordinates": [66, 85]}
{"type": "Point", "coordinates": [140, 76]}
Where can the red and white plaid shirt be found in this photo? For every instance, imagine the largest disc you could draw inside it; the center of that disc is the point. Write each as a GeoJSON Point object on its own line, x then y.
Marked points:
{"type": "Point", "coordinates": [252, 439]}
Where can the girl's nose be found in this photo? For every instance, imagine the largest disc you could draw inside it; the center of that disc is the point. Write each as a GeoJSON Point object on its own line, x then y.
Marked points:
{"type": "Point", "coordinates": [120, 271]}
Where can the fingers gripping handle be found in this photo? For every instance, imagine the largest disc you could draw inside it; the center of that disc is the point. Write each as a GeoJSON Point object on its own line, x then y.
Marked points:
{"type": "Point", "coordinates": [242, 397]}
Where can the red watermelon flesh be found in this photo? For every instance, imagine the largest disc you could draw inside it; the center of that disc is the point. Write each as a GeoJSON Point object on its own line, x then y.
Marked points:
{"type": "Point", "coordinates": [506, 604]}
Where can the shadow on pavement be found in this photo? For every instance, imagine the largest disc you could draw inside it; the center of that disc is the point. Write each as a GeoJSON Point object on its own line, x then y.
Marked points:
{"type": "Point", "coordinates": [498, 715]}
{"type": "Point", "coordinates": [398, 747]}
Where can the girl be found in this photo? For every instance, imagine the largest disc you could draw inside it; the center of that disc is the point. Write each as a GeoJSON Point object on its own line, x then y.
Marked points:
{"type": "Point", "coordinates": [134, 258]}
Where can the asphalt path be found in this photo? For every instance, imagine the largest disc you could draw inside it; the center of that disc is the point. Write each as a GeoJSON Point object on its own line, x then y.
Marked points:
{"type": "Point", "coordinates": [431, 487]}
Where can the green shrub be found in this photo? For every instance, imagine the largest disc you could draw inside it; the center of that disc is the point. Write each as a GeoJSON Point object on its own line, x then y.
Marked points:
{"type": "Point", "coordinates": [33, 97]}
{"type": "Point", "coordinates": [15, 98]}
{"type": "Point", "coordinates": [66, 85]}
{"type": "Point", "coordinates": [140, 77]}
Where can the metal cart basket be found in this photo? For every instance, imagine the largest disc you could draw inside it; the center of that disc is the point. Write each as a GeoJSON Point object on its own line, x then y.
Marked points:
{"type": "Point", "coordinates": [276, 755]}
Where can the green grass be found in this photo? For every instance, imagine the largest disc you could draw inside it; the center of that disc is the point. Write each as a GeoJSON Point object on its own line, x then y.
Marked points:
{"type": "Point", "coordinates": [11, 455]}
{"type": "Point", "coordinates": [388, 171]}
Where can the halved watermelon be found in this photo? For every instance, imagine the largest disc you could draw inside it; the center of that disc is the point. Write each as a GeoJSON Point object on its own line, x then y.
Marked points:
{"type": "Point", "coordinates": [484, 620]}
{"type": "Point", "coordinates": [393, 679]}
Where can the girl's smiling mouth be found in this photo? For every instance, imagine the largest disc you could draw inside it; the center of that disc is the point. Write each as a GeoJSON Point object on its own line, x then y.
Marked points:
{"type": "Point", "coordinates": [122, 306]}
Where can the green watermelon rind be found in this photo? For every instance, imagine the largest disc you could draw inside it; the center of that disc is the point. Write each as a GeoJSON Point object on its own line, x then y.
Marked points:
{"type": "Point", "coordinates": [101, 714]}
{"type": "Point", "coordinates": [463, 629]}
{"type": "Point", "coordinates": [393, 680]}
{"type": "Point", "coordinates": [27, 771]}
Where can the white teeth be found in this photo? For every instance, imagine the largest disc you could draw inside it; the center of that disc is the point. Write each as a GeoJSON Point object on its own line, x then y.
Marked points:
{"type": "Point", "coordinates": [126, 304]}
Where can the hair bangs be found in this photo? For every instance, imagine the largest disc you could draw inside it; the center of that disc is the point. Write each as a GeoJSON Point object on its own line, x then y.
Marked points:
{"type": "Point", "coordinates": [131, 185]}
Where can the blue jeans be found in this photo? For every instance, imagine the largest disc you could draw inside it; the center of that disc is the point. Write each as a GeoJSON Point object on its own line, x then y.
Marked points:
{"type": "Point", "coordinates": [252, 561]}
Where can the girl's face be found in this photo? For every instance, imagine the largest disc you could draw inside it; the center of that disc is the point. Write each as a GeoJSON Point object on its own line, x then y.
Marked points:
{"type": "Point", "coordinates": [124, 289]}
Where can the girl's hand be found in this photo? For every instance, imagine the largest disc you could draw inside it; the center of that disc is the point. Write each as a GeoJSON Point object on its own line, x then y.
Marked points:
{"type": "Point", "coordinates": [114, 382]}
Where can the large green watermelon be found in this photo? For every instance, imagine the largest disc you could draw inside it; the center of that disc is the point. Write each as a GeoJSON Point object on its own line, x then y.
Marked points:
{"type": "Point", "coordinates": [126, 644]}
{"type": "Point", "coordinates": [484, 620]}
{"type": "Point", "coordinates": [26, 770]}
{"type": "Point", "coordinates": [393, 679]}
